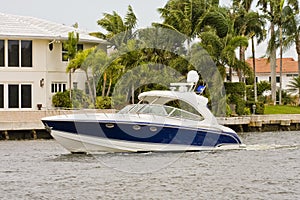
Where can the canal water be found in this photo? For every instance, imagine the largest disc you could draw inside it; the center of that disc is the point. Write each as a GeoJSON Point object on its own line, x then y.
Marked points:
{"type": "Point", "coordinates": [268, 168]}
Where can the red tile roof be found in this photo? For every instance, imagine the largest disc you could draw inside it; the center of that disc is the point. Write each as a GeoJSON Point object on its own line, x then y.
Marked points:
{"type": "Point", "coordinates": [289, 65]}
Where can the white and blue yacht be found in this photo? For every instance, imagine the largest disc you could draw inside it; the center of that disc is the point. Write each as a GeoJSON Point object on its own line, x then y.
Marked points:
{"type": "Point", "coordinates": [152, 125]}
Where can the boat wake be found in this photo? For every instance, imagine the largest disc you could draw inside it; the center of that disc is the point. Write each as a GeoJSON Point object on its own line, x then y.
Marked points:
{"type": "Point", "coordinates": [264, 147]}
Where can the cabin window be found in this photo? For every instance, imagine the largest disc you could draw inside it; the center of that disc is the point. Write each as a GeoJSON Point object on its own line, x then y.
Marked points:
{"type": "Point", "coordinates": [2, 49]}
{"type": "Point", "coordinates": [1, 96]}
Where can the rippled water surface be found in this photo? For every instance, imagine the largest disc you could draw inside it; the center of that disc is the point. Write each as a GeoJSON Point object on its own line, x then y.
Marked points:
{"type": "Point", "coordinates": [268, 168]}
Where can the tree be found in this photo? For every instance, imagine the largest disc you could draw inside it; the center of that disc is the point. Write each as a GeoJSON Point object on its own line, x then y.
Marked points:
{"type": "Point", "coordinates": [273, 10]}
{"type": "Point", "coordinates": [269, 9]}
{"type": "Point", "coordinates": [78, 63]}
{"type": "Point", "coordinates": [189, 17]}
{"type": "Point", "coordinates": [249, 24]}
{"type": "Point", "coordinates": [291, 33]}
{"type": "Point", "coordinates": [119, 30]}
{"type": "Point", "coordinates": [71, 47]}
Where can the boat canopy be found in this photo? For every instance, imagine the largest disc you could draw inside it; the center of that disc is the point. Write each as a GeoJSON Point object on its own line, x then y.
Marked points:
{"type": "Point", "coordinates": [163, 97]}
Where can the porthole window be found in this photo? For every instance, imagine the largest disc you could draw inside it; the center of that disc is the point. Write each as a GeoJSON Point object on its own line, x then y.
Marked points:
{"type": "Point", "coordinates": [136, 127]}
{"type": "Point", "coordinates": [109, 125]}
{"type": "Point", "coordinates": [153, 129]}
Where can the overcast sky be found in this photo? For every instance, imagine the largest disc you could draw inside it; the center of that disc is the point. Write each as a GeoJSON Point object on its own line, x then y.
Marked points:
{"type": "Point", "coordinates": [87, 12]}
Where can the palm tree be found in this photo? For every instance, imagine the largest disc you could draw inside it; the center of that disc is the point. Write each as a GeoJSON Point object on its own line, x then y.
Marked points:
{"type": "Point", "coordinates": [274, 10]}
{"type": "Point", "coordinates": [71, 46]}
{"type": "Point", "coordinates": [269, 9]}
{"type": "Point", "coordinates": [119, 30]}
{"type": "Point", "coordinates": [294, 86]}
{"type": "Point", "coordinates": [291, 33]}
{"type": "Point", "coordinates": [286, 13]}
{"type": "Point", "coordinates": [188, 17]}
{"type": "Point", "coordinates": [78, 62]}
{"type": "Point", "coordinates": [251, 24]}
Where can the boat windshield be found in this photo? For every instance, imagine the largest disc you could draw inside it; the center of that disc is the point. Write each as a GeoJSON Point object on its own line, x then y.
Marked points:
{"type": "Point", "coordinates": [161, 110]}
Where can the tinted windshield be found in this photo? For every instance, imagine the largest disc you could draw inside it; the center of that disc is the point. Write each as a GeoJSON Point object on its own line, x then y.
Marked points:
{"type": "Point", "coordinates": [160, 110]}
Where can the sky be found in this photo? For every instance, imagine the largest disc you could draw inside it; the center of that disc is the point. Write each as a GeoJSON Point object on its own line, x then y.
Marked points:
{"type": "Point", "coordinates": [87, 12]}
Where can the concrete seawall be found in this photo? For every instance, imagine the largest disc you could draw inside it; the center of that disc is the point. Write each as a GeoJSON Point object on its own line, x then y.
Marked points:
{"type": "Point", "coordinates": [262, 123]}
{"type": "Point", "coordinates": [28, 125]}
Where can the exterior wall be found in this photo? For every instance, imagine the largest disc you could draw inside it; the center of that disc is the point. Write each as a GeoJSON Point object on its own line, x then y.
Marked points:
{"type": "Point", "coordinates": [47, 67]}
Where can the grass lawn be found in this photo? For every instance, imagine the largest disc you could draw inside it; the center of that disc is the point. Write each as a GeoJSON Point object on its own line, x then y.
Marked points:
{"type": "Point", "coordinates": [283, 109]}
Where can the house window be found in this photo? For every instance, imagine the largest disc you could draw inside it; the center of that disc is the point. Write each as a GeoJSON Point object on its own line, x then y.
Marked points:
{"type": "Point", "coordinates": [13, 53]}
{"type": "Point", "coordinates": [15, 47]}
{"type": "Point", "coordinates": [26, 96]}
{"type": "Point", "coordinates": [79, 47]}
{"type": "Point", "coordinates": [65, 51]}
{"type": "Point", "coordinates": [26, 53]}
{"type": "Point", "coordinates": [14, 94]}
{"type": "Point", "coordinates": [292, 75]}
{"type": "Point", "coordinates": [277, 79]}
{"type": "Point", "coordinates": [87, 91]}
{"type": "Point", "coordinates": [75, 85]}
{"type": "Point", "coordinates": [2, 53]}
{"type": "Point", "coordinates": [1, 96]}
{"type": "Point", "coordinates": [58, 87]}
{"type": "Point", "coordinates": [256, 79]}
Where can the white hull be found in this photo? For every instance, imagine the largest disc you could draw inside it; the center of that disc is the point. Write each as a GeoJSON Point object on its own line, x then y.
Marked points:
{"type": "Point", "coordinates": [86, 144]}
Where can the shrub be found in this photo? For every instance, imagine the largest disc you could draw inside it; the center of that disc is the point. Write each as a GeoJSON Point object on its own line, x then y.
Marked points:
{"type": "Point", "coordinates": [103, 103]}
{"type": "Point", "coordinates": [79, 99]}
{"type": "Point", "coordinates": [61, 100]}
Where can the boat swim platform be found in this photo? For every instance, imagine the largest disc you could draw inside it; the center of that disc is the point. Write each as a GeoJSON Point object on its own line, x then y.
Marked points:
{"type": "Point", "coordinates": [16, 125]}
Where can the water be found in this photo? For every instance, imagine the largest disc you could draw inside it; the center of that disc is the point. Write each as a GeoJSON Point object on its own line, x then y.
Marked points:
{"type": "Point", "coordinates": [269, 168]}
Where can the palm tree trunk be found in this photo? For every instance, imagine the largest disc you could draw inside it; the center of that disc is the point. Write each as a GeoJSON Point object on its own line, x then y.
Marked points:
{"type": "Point", "coordinates": [280, 86]}
{"type": "Point", "coordinates": [273, 64]}
{"type": "Point", "coordinates": [242, 59]}
{"type": "Point", "coordinates": [254, 69]}
{"type": "Point", "coordinates": [104, 84]}
{"type": "Point", "coordinates": [109, 85]}
{"type": "Point", "coordinates": [132, 93]}
{"type": "Point", "coordinates": [89, 86]}
{"type": "Point", "coordinates": [298, 52]}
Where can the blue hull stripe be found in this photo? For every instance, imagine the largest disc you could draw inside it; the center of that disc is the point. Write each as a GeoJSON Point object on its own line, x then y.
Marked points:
{"type": "Point", "coordinates": [145, 132]}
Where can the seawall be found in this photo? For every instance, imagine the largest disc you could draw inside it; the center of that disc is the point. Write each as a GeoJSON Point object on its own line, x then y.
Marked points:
{"type": "Point", "coordinates": [16, 125]}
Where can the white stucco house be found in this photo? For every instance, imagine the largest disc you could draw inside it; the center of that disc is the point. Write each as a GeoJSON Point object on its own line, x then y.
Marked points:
{"type": "Point", "coordinates": [263, 70]}
{"type": "Point", "coordinates": [32, 67]}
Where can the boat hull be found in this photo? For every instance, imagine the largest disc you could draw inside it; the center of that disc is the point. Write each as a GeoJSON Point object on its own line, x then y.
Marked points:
{"type": "Point", "coordinates": [109, 136]}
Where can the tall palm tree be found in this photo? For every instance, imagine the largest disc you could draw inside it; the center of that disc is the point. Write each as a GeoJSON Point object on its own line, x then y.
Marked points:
{"type": "Point", "coordinates": [291, 33]}
{"type": "Point", "coordinates": [273, 9]}
{"type": "Point", "coordinates": [269, 9]}
{"type": "Point", "coordinates": [119, 30]}
{"type": "Point", "coordinates": [71, 46]}
{"type": "Point", "coordinates": [188, 17]}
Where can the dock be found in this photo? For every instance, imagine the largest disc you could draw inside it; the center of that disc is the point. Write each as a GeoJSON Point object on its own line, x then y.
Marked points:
{"type": "Point", "coordinates": [19, 125]}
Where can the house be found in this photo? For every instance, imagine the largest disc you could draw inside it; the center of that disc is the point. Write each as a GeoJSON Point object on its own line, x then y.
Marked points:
{"type": "Point", "coordinates": [32, 65]}
{"type": "Point", "coordinates": [263, 70]}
